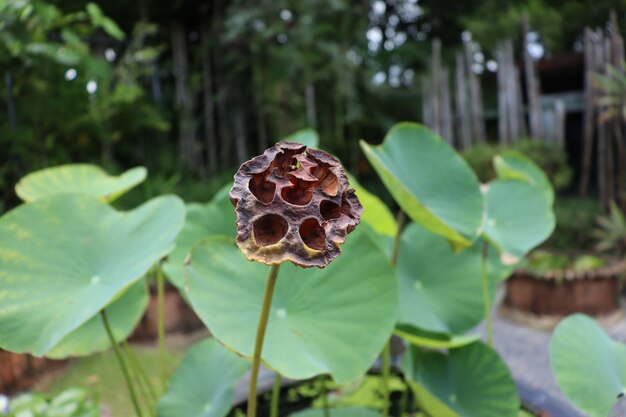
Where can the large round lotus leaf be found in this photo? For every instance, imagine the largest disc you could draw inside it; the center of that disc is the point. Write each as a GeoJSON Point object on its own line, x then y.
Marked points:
{"type": "Point", "coordinates": [308, 137]}
{"type": "Point", "coordinates": [518, 217]}
{"type": "Point", "coordinates": [202, 385]}
{"type": "Point", "coordinates": [64, 258]}
{"type": "Point", "coordinates": [333, 320]}
{"type": "Point", "coordinates": [216, 218]}
{"type": "Point", "coordinates": [588, 365]}
{"type": "Point", "coordinates": [514, 165]}
{"type": "Point", "coordinates": [471, 381]}
{"type": "Point", "coordinates": [78, 179]}
{"type": "Point", "coordinates": [337, 412]}
{"type": "Point", "coordinates": [441, 291]}
{"type": "Point", "coordinates": [123, 315]}
{"type": "Point", "coordinates": [375, 213]}
{"type": "Point", "coordinates": [430, 181]}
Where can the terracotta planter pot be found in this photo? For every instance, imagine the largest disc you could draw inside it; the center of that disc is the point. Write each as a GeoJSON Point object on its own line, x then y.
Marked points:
{"type": "Point", "coordinates": [560, 293]}
{"type": "Point", "coordinates": [179, 317]}
{"type": "Point", "coordinates": [19, 371]}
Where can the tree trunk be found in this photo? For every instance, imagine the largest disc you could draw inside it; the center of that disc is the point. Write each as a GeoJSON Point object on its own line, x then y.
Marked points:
{"type": "Point", "coordinates": [338, 124]}
{"type": "Point", "coordinates": [589, 122]}
{"type": "Point", "coordinates": [511, 94]}
{"type": "Point", "coordinates": [618, 123]}
{"type": "Point", "coordinates": [476, 99]}
{"type": "Point", "coordinates": [436, 87]}
{"type": "Point", "coordinates": [209, 104]}
{"type": "Point", "coordinates": [184, 101]}
{"type": "Point", "coordinates": [446, 108]}
{"type": "Point", "coordinates": [464, 128]}
{"type": "Point", "coordinates": [240, 135]}
{"type": "Point", "coordinates": [503, 119]}
{"type": "Point", "coordinates": [523, 129]}
{"type": "Point", "coordinates": [8, 79]}
{"type": "Point", "coordinates": [227, 155]}
{"type": "Point", "coordinates": [311, 111]}
{"type": "Point", "coordinates": [559, 122]}
{"type": "Point", "coordinates": [155, 84]}
{"type": "Point", "coordinates": [427, 105]}
{"type": "Point", "coordinates": [600, 60]}
{"type": "Point", "coordinates": [532, 86]}
{"type": "Point", "coordinates": [259, 99]}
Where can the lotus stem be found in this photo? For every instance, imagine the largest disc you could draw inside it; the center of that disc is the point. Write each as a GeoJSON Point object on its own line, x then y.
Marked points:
{"type": "Point", "coordinates": [270, 283]}
{"type": "Point", "coordinates": [486, 292]}
{"type": "Point", "coordinates": [386, 366]}
{"type": "Point", "coordinates": [160, 284]}
{"type": "Point", "coordinates": [400, 220]}
{"type": "Point", "coordinates": [386, 372]}
{"type": "Point", "coordinates": [275, 396]}
{"type": "Point", "coordinates": [404, 400]}
{"type": "Point", "coordinates": [142, 377]}
{"type": "Point", "coordinates": [324, 393]}
{"type": "Point", "coordinates": [120, 360]}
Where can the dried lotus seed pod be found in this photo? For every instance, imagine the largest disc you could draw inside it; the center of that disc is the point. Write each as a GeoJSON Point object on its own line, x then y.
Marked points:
{"type": "Point", "coordinates": [293, 204]}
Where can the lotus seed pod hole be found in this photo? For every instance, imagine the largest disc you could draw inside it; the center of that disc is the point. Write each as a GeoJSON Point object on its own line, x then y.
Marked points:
{"type": "Point", "coordinates": [270, 229]}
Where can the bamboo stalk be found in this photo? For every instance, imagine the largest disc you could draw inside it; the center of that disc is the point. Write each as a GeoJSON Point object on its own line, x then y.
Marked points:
{"type": "Point", "coordinates": [503, 119]}
{"type": "Point", "coordinates": [476, 100]}
{"type": "Point", "coordinates": [588, 123]}
{"type": "Point", "coordinates": [208, 109]}
{"type": "Point", "coordinates": [446, 108]}
{"type": "Point", "coordinates": [436, 86]}
{"type": "Point", "coordinates": [462, 111]}
{"type": "Point", "coordinates": [511, 91]}
{"type": "Point", "coordinates": [532, 85]}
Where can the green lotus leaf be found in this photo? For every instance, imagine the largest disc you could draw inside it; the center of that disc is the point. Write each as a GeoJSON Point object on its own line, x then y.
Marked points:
{"type": "Point", "coordinates": [333, 320]}
{"type": "Point", "coordinates": [202, 385]}
{"type": "Point", "coordinates": [514, 165]}
{"type": "Point", "coordinates": [337, 412]}
{"type": "Point", "coordinates": [588, 365]}
{"type": "Point", "coordinates": [431, 182]}
{"type": "Point", "coordinates": [216, 218]}
{"type": "Point", "coordinates": [308, 137]}
{"type": "Point", "coordinates": [441, 291]}
{"type": "Point", "coordinates": [78, 179]}
{"type": "Point", "coordinates": [65, 258]}
{"type": "Point", "coordinates": [123, 315]}
{"type": "Point", "coordinates": [470, 381]}
{"type": "Point", "coordinates": [376, 214]}
{"type": "Point", "coordinates": [518, 217]}
{"type": "Point", "coordinates": [431, 340]}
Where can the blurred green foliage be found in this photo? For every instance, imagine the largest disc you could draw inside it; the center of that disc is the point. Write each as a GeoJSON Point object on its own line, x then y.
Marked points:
{"type": "Point", "coordinates": [610, 233]}
{"type": "Point", "coordinates": [349, 69]}
{"type": "Point", "coordinates": [550, 157]}
{"type": "Point", "coordinates": [558, 23]}
{"type": "Point", "coordinates": [51, 79]}
{"type": "Point", "coordinates": [73, 402]}
{"type": "Point", "coordinates": [575, 218]}
{"type": "Point", "coordinates": [541, 261]}
{"type": "Point", "coordinates": [101, 375]}
{"type": "Point", "coordinates": [488, 32]}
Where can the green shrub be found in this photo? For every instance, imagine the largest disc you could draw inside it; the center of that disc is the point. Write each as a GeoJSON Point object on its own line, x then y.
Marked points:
{"type": "Point", "coordinates": [610, 233]}
{"type": "Point", "coordinates": [550, 157]}
{"type": "Point", "coordinates": [575, 219]}
{"type": "Point", "coordinates": [540, 261]}
{"type": "Point", "coordinates": [480, 158]}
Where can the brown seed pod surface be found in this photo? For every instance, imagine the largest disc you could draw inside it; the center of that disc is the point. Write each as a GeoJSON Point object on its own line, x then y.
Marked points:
{"type": "Point", "coordinates": [293, 204]}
